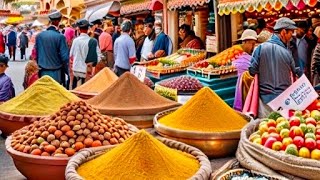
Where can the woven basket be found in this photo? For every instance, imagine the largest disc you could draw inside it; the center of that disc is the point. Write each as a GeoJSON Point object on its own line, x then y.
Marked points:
{"type": "Point", "coordinates": [238, 172]}
{"type": "Point", "coordinates": [12, 122]}
{"type": "Point", "coordinates": [85, 155]}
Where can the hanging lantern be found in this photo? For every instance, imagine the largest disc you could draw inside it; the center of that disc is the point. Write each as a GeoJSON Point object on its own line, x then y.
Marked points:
{"type": "Point", "coordinates": [250, 8]}
{"type": "Point", "coordinates": [277, 6]}
{"type": "Point", "coordinates": [312, 3]}
{"type": "Point", "coordinates": [259, 8]}
{"type": "Point", "coordinates": [268, 7]}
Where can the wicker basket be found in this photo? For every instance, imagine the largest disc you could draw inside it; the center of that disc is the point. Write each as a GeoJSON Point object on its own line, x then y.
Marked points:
{"type": "Point", "coordinates": [238, 172]}
{"type": "Point", "coordinates": [85, 155]}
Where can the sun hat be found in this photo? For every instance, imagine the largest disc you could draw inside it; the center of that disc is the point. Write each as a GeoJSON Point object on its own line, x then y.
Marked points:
{"type": "Point", "coordinates": [249, 34]}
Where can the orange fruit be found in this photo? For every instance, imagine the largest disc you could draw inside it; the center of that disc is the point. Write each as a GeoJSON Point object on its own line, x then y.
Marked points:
{"type": "Point", "coordinates": [69, 152]}
{"type": "Point", "coordinates": [96, 143]}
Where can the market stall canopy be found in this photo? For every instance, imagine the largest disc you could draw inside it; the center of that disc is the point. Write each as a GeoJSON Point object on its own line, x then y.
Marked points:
{"type": "Point", "coordinates": [177, 4]}
{"type": "Point", "coordinates": [100, 11]}
{"type": "Point", "coordinates": [37, 23]}
{"type": "Point", "coordinates": [133, 6]}
{"type": "Point", "coordinates": [156, 5]}
{"type": "Point", "coordinates": [240, 6]}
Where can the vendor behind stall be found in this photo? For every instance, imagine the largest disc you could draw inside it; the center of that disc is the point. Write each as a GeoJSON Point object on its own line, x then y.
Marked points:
{"type": "Point", "coordinates": [189, 39]}
{"type": "Point", "coordinates": [242, 63]}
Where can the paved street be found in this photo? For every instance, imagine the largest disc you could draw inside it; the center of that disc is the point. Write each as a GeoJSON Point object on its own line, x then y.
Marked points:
{"type": "Point", "coordinates": [7, 168]}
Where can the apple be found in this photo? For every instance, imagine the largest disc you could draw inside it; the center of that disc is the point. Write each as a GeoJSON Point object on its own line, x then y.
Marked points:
{"type": "Point", "coordinates": [276, 135]}
{"type": "Point", "coordinates": [317, 137]}
{"type": "Point", "coordinates": [311, 128]}
{"type": "Point", "coordinates": [311, 120]}
{"type": "Point", "coordinates": [264, 137]}
{"type": "Point", "coordinates": [271, 123]}
{"type": "Point", "coordinates": [284, 133]}
{"type": "Point", "coordinates": [310, 135]}
{"type": "Point", "coordinates": [263, 128]}
{"type": "Point", "coordinates": [304, 152]}
{"type": "Point", "coordinates": [316, 114]}
{"type": "Point", "coordinates": [277, 146]}
{"type": "Point", "coordinates": [292, 149]}
{"type": "Point", "coordinates": [315, 154]}
{"type": "Point", "coordinates": [303, 127]}
{"type": "Point", "coordinates": [272, 130]}
{"type": "Point", "coordinates": [270, 142]}
{"type": "Point", "coordinates": [306, 113]}
{"type": "Point", "coordinates": [295, 131]}
{"type": "Point", "coordinates": [257, 141]}
{"type": "Point", "coordinates": [282, 125]}
{"type": "Point", "coordinates": [317, 131]}
{"type": "Point", "coordinates": [302, 120]}
{"type": "Point", "coordinates": [298, 141]}
{"type": "Point", "coordinates": [286, 141]}
{"type": "Point", "coordinates": [318, 144]}
{"type": "Point", "coordinates": [280, 119]}
{"type": "Point", "coordinates": [294, 121]}
{"type": "Point", "coordinates": [310, 143]}
{"type": "Point", "coordinates": [253, 136]}
{"type": "Point", "coordinates": [298, 113]}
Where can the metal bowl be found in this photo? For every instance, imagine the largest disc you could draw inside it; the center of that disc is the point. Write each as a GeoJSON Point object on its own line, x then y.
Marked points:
{"type": "Point", "coordinates": [141, 122]}
{"type": "Point", "coordinates": [37, 167]}
{"type": "Point", "coordinates": [214, 145]}
{"type": "Point", "coordinates": [84, 95]}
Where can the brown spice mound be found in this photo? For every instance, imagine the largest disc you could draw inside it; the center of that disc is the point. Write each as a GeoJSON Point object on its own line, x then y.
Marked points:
{"type": "Point", "coordinates": [98, 83]}
{"type": "Point", "coordinates": [129, 96]}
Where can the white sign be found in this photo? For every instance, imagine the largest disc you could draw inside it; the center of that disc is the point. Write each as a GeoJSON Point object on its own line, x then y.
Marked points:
{"type": "Point", "coordinates": [183, 99]}
{"type": "Point", "coordinates": [297, 97]}
{"type": "Point", "coordinates": [139, 72]}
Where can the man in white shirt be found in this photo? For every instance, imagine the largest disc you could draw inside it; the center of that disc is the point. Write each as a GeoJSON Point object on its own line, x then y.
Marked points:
{"type": "Point", "coordinates": [85, 53]}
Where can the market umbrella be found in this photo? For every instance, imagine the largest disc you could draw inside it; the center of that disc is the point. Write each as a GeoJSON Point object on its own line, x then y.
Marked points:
{"type": "Point", "coordinates": [156, 5]}
{"type": "Point", "coordinates": [36, 23]}
{"type": "Point", "coordinates": [99, 12]}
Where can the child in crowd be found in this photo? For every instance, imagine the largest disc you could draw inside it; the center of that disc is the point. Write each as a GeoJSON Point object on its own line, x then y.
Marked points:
{"type": "Point", "coordinates": [31, 74]}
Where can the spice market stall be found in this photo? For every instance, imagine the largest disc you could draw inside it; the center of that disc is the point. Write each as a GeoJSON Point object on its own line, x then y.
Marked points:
{"type": "Point", "coordinates": [41, 99]}
{"type": "Point", "coordinates": [47, 144]}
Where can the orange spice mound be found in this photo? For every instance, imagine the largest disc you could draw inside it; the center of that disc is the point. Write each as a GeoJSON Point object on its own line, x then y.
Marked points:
{"type": "Point", "coordinates": [98, 83]}
{"type": "Point", "coordinates": [129, 96]}
{"type": "Point", "coordinates": [205, 112]}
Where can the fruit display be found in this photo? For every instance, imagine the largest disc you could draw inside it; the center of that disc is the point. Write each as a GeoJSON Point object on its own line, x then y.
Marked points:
{"type": "Point", "coordinates": [299, 135]}
{"type": "Point", "coordinates": [148, 82]}
{"type": "Point", "coordinates": [76, 126]}
{"type": "Point", "coordinates": [176, 62]}
{"type": "Point", "coordinates": [183, 83]}
{"type": "Point", "coordinates": [221, 63]}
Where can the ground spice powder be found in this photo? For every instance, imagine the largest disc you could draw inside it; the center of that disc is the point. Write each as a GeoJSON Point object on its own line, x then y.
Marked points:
{"type": "Point", "coordinates": [141, 157]}
{"type": "Point", "coordinates": [205, 112]}
{"type": "Point", "coordinates": [44, 97]}
{"type": "Point", "coordinates": [129, 96]}
{"type": "Point", "coordinates": [98, 83]}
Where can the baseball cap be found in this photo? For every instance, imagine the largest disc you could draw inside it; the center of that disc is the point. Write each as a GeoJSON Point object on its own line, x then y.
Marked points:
{"type": "Point", "coordinates": [56, 15]}
{"type": "Point", "coordinates": [284, 23]}
{"type": "Point", "coordinates": [249, 34]}
{"type": "Point", "coordinates": [82, 23]}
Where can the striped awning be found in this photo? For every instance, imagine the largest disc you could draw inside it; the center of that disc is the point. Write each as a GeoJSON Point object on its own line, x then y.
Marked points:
{"type": "Point", "coordinates": [240, 6]}
{"type": "Point", "coordinates": [133, 6]}
{"type": "Point", "coordinates": [177, 4]}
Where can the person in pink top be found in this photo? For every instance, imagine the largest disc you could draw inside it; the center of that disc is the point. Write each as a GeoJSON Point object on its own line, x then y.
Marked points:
{"type": "Point", "coordinates": [69, 34]}
{"type": "Point", "coordinates": [106, 43]}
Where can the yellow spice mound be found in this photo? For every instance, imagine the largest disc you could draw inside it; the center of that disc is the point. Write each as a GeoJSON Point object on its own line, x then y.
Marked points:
{"type": "Point", "coordinates": [140, 157]}
{"type": "Point", "coordinates": [44, 97]}
{"type": "Point", "coordinates": [205, 112]}
{"type": "Point", "coordinates": [99, 82]}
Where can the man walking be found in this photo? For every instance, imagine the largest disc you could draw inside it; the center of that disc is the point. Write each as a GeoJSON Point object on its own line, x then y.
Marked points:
{"type": "Point", "coordinates": [124, 50]}
{"type": "Point", "coordinates": [106, 44]}
{"type": "Point", "coordinates": [274, 64]}
{"type": "Point", "coordinates": [12, 43]}
{"type": "Point", "coordinates": [52, 51]}
{"type": "Point", "coordinates": [84, 54]}
{"type": "Point", "coordinates": [23, 44]}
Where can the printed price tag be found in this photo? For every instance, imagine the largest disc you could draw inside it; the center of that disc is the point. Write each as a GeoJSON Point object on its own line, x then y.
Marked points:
{"type": "Point", "coordinates": [297, 97]}
{"type": "Point", "coordinates": [139, 72]}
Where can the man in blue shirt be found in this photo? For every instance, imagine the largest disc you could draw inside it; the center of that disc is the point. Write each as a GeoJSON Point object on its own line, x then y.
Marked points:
{"type": "Point", "coordinates": [274, 64]}
{"type": "Point", "coordinates": [12, 43]}
{"type": "Point", "coordinates": [124, 50]}
{"type": "Point", "coordinates": [52, 51]}
{"type": "Point", "coordinates": [162, 43]}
